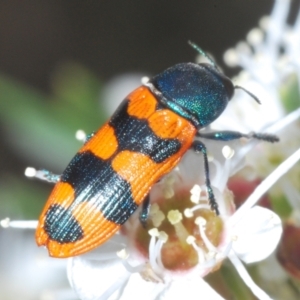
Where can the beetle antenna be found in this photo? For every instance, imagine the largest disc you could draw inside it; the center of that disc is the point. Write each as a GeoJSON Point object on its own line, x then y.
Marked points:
{"type": "Point", "coordinates": [249, 93]}
{"type": "Point", "coordinates": [203, 53]}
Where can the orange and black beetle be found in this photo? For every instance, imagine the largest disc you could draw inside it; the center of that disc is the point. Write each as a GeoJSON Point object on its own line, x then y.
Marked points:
{"type": "Point", "coordinates": [112, 174]}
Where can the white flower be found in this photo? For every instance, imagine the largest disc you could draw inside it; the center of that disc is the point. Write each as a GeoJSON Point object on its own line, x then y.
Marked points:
{"type": "Point", "coordinates": [116, 269]}
{"type": "Point", "coordinates": [27, 272]}
{"type": "Point", "coordinates": [250, 234]}
{"type": "Point", "coordinates": [265, 67]}
{"type": "Point", "coordinates": [269, 59]}
{"type": "Point", "coordinates": [185, 240]}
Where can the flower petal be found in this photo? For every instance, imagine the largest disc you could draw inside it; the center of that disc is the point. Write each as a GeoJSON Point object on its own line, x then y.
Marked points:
{"type": "Point", "coordinates": [258, 234]}
{"type": "Point", "coordinates": [92, 279]}
{"type": "Point", "coordinates": [193, 289]}
{"type": "Point", "coordinates": [138, 288]}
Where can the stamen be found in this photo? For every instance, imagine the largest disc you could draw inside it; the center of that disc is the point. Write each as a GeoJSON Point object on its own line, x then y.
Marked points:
{"type": "Point", "coordinates": [145, 80]}
{"type": "Point", "coordinates": [228, 152]}
{"type": "Point", "coordinates": [6, 223]}
{"type": "Point", "coordinates": [130, 268]}
{"type": "Point", "coordinates": [169, 179]}
{"type": "Point", "coordinates": [155, 249]}
{"type": "Point", "coordinates": [163, 236]}
{"type": "Point", "coordinates": [168, 190]}
{"type": "Point", "coordinates": [210, 157]}
{"type": "Point", "coordinates": [195, 193]}
{"type": "Point", "coordinates": [156, 215]}
{"type": "Point", "coordinates": [206, 260]}
{"type": "Point", "coordinates": [243, 48]}
{"type": "Point", "coordinates": [153, 232]}
{"type": "Point", "coordinates": [264, 186]}
{"type": "Point", "coordinates": [255, 36]}
{"type": "Point", "coordinates": [42, 175]}
{"type": "Point", "coordinates": [80, 135]}
{"type": "Point", "coordinates": [175, 217]}
{"type": "Point", "coordinates": [257, 291]}
{"type": "Point", "coordinates": [162, 239]}
{"type": "Point", "coordinates": [201, 222]}
{"type": "Point", "coordinates": [231, 58]}
{"type": "Point", "coordinates": [30, 172]}
{"type": "Point", "coordinates": [200, 206]}
{"type": "Point", "coordinates": [123, 254]}
{"type": "Point", "coordinates": [188, 213]}
{"type": "Point", "coordinates": [196, 189]}
{"type": "Point", "coordinates": [195, 198]}
{"type": "Point", "coordinates": [152, 255]}
{"type": "Point", "coordinates": [225, 252]}
{"type": "Point", "coordinates": [264, 23]}
{"type": "Point", "coordinates": [148, 274]}
{"type": "Point", "coordinates": [191, 240]}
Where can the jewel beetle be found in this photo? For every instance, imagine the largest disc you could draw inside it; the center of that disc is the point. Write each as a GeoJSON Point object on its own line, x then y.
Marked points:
{"type": "Point", "coordinates": [113, 172]}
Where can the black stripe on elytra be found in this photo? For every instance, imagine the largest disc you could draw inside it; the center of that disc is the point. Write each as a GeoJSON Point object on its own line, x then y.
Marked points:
{"type": "Point", "coordinates": [134, 134]}
{"type": "Point", "coordinates": [94, 180]}
{"type": "Point", "coordinates": [61, 226]}
{"type": "Point", "coordinates": [159, 106]}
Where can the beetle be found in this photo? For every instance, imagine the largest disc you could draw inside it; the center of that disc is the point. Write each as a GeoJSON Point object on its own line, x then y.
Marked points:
{"type": "Point", "coordinates": [113, 172]}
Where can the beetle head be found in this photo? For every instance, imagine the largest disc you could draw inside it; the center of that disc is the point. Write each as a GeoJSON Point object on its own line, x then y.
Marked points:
{"type": "Point", "coordinates": [197, 92]}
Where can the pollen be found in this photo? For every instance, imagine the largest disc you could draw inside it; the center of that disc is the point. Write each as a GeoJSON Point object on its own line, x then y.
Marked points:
{"type": "Point", "coordinates": [188, 213]}
{"type": "Point", "coordinates": [145, 80]}
{"type": "Point", "coordinates": [178, 244]}
{"type": "Point", "coordinates": [195, 194]}
{"type": "Point", "coordinates": [80, 135]}
{"type": "Point", "coordinates": [255, 36]}
{"type": "Point", "coordinates": [228, 152]}
{"type": "Point", "coordinates": [210, 157]}
{"type": "Point", "coordinates": [153, 232]}
{"type": "Point", "coordinates": [190, 239]}
{"type": "Point", "coordinates": [163, 236]}
{"type": "Point", "coordinates": [156, 215]}
{"type": "Point", "coordinates": [5, 223]}
{"type": "Point", "coordinates": [168, 192]}
{"type": "Point", "coordinates": [174, 216]}
{"type": "Point", "coordinates": [200, 221]}
{"type": "Point", "coordinates": [30, 172]}
{"type": "Point", "coordinates": [231, 58]}
{"type": "Point", "coordinates": [123, 254]}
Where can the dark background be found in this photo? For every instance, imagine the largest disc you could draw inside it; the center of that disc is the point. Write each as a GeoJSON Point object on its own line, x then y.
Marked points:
{"type": "Point", "coordinates": [113, 37]}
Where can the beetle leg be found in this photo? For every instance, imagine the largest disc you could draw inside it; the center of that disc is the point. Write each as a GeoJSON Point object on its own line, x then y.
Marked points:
{"type": "Point", "coordinates": [234, 135]}
{"type": "Point", "coordinates": [89, 136]}
{"type": "Point", "coordinates": [200, 147]}
{"type": "Point", "coordinates": [145, 211]}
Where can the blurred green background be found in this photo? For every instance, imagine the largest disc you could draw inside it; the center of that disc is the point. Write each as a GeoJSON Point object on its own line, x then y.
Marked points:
{"type": "Point", "coordinates": [56, 61]}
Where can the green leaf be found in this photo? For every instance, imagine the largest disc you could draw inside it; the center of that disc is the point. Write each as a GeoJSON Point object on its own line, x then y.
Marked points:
{"type": "Point", "coordinates": [42, 128]}
{"type": "Point", "coordinates": [290, 93]}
